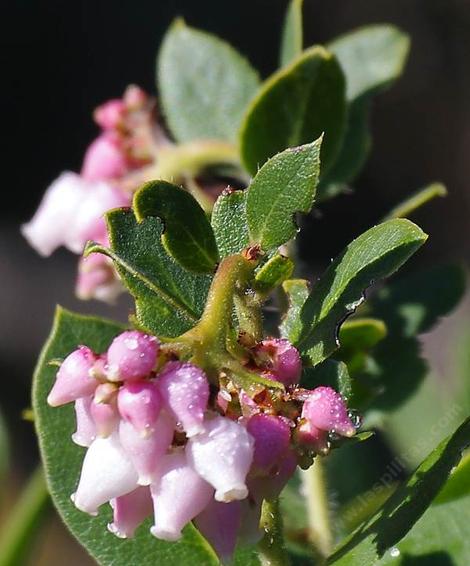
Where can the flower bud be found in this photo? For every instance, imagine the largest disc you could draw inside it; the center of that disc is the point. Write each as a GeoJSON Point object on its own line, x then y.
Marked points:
{"type": "Point", "coordinates": [103, 409]}
{"type": "Point", "coordinates": [131, 356]}
{"type": "Point", "coordinates": [110, 115]}
{"type": "Point", "coordinates": [270, 486]}
{"type": "Point", "coordinates": [280, 358]}
{"type": "Point", "coordinates": [272, 439]}
{"type": "Point", "coordinates": [179, 494]}
{"type": "Point", "coordinates": [219, 524]}
{"type": "Point", "coordinates": [73, 380]}
{"type": "Point", "coordinates": [139, 403]}
{"type": "Point", "coordinates": [86, 429]}
{"type": "Point", "coordinates": [185, 390]}
{"type": "Point", "coordinates": [222, 455]}
{"type": "Point", "coordinates": [104, 159]}
{"type": "Point", "coordinates": [146, 452]}
{"type": "Point", "coordinates": [97, 279]}
{"type": "Point", "coordinates": [129, 511]}
{"type": "Point", "coordinates": [326, 410]}
{"type": "Point", "coordinates": [313, 437]}
{"type": "Point", "coordinates": [107, 473]}
{"type": "Point", "coordinates": [135, 97]}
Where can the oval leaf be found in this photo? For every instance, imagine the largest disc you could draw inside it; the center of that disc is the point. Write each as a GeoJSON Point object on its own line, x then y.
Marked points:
{"type": "Point", "coordinates": [375, 254]}
{"type": "Point", "coordinates": [283, 186]}
{"type": "Point", "coordinates": [292, 33]}
{"type": "Point", "coordinates": [187, 235]}
{"type": "Point", "coordinates": [307, 98]}
{"type": "Point", "coordinates": [62, 461]}
{"type": "Point", "coordinates": [205, 84]}
{"type": "Point", "coordinates": [229, 222]}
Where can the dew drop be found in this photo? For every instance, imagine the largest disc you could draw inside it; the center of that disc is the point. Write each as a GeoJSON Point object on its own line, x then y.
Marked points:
{"type": "Point", "coordinates": [394, 552]}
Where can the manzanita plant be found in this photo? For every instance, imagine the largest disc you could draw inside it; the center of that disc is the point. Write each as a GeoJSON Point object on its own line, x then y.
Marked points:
{"type": "Point", "coordinates": [169, 440]}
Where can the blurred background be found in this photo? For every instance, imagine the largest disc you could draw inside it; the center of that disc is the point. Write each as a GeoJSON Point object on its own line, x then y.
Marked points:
{"type": "Point", "coordinates": [60, 60]}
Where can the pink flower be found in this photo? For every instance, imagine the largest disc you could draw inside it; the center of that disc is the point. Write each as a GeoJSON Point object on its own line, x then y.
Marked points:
{"type": "Point", "coordinates": [110, 115]}
{"type": "Point", "coordinates": [222, 455]}
{"type": "Point", "coordinates": [179, 494]}
{"type": "Point", "coordinates": [185, 390]}
{"type": "Point", "coordinates": [280, 360]}
{"type": "Point", "coordinates": [219, 523]}
{"type": "Point", "coordinates": [74, 380]}
{"type": "Point", "coordinates": [97, 279]}
{"type": "Point", "coordinates": [272, 439]}
{"type": "Point", "coordinates": [107, 473]}
{"type": "Point", "coordinates": [103, 409]}
{"type": "Point", "coordinates": [105, 159]}
{"type": "Point", "coordinates": [146, 452]}
{"type": "Point", "coordinates": [131, 356]}
{"type": "Point", "coordinates": [86, 429]}
{"type": "Point", "coordinates": [326, 410]}
{"type": "Point", "coordinates": [139, 403]}
{"type": "Point", "coordinates": [129, 511]}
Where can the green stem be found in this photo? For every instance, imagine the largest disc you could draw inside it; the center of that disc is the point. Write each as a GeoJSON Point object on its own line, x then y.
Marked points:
{"type": "Point", "coordinates": [249, 315]}
{"type": "Point", "coordinates": [189, 159]}
{"type": "Point", "coordinates": [271, 549]}
{"type": "Point", "coordinates": [315, 489]}
{"type": "Point", "coordinates": [23, 523]}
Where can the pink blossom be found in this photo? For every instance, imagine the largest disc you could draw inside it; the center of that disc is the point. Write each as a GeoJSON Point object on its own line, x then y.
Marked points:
{"type": "Point", "coordinates": [103, 409]}
{"type": "Point", "coordinates": [222, 455]}
{"type": "Point", "coordinates": [179, 494]}
{"type": "Point", "coordinates": [110, 115]}
{"type": "Point", "coordinates": [280, 360]}
{"type": "Point", "coordinates": [105, 159]}
{"type": "Point", "coordinates": [97, 279]}
{"type": "Point", "coordinates": [272, 438]}
{"type": "Point", "coordinates": [185, 390]}
{"type": "Point", "coordinates": [132, 355]}
{"type": "Point", "coordinates": [129, 511]}
{"type": "Point", "coordinates": [86, 429]}
{"type": "Point", "coordinates": [74, 380]}
{"type": "Point", "coordinates": [107, 473]}
{"type": "Point", "coordinates": [146, 452]}
{"type": "Point", "coordinates": [139, 403]}
{"type": "Point", "coordinates": [326, 410]}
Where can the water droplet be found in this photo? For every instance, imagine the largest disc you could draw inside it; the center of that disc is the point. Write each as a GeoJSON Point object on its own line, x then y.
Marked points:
{"type": "Point", "coordinates": [394, 552]}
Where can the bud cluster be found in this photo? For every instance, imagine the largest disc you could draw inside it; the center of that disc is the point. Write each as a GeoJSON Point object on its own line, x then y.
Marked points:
{"type": "Point", "coordinates": [162, 438]}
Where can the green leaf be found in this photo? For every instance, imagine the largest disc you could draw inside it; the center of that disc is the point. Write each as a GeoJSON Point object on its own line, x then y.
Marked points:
{"type": "Point", "coordinates": [292, 33]}
{"type": "Point", "coordinates": [169, 299]}
{"type": "Point", "coordinates": [205, 85]}
{"type": "Point", "coordinates": [187, 235]}
{"type": "Point", "coordinates": [283, 186]}
{"type": "Point", "coordinates": [295, 106]}
{"type": "Point", "coordinates": [387, 527]}
{"type": "Point", "coordinates": [361, 333]}
{"type": "Point", "coordinates": [332, 373]}
{"type": "Point", "coordinates": [62, 461]}
{"type": "Point", "coordinates": [371, 57]}
{"type": "Point", "coordinates": [297, 291]}
{"type": "Point", "coordinates": [458, 485]}
{"type": "Point", "coordinates": [376, 254]}
{"type": "Point", "coordinates": [273, 273]}
{"type": "Point", "coordinates": [423, 196]}
{"type": "Point", "coordinates": [229, 222]}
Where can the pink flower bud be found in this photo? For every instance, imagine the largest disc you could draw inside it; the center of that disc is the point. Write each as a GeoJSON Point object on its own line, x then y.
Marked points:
{"type": "Point", "coordinates": [103, 409]}
{"type": "Point", "coordinates": [185, 390]}
{"type": "Point", "coordinates": [139, 403]}
{"type": "Point", "coordinates": [179, 494]}
{"type": "Point", "coordinates": [219, 523]}
{"type": "Point", "coordinates": [146, 452]}
{"type": "Point", "coordinates": [110, 115]}
{"type": "Point", "coordinates": [312, 436]}
{"type": "Point", "coordinates": [131, 356]}
{"type": "Point", "coordinates": [270, 486]}
{"type": "Point", "coordinates": [280, 358]}
{"type": "Point", "coordinates": [135, 97]}
{"type": "Point", "coordinates": [222, 455]}
{"type": "Point", "coordinates": [86, 429]}
{"type": "Point", "coordinates": [97, 279]}
{"type": "Point", "coordinates": [105, 159]}
{"type": "Point", "coordinates": [73, 380]}
{"type": "Point", "coordinates": [272, 439]}
{"type": "Point", "coordinates": [107, 473]}
{"type": "Point", "coordinates": [56, 214]}
{"type": "Point", "coordinates": [326, 410]}
{"type": "Point", "coordinates": [129, 511]}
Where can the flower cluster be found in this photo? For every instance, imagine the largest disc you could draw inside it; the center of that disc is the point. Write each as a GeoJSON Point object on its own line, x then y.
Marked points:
{"type": "Point", "coordinates": [72, 209]}
{"type": "Point", "coordinates": [160, 437]}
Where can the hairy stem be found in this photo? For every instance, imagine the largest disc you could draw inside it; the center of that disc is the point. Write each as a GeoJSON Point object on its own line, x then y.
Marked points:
{"type": "Point", "coordinates": [24, 521]}
{"type": "Point", "coordinates": [271, 548]}
{"type": "Point", "coordinates": [315, 489]}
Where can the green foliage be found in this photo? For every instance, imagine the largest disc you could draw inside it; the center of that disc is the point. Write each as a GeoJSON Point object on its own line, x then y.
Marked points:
{"type": "Point", "coordinates": [187, 235]}
{"type": "Point", "coordinates": [390, 524]}
{"type": "Point", "coordinates": [297, 291]}
{"type": "Point", "coordinates": [283, 186]}
{"type": "Point", "coordinates": [361, 333]}
{"type": "Point", "coordinates": [330, 372]}
{"type": "Point", "coordinates": [205, 85]}
{"type": "Point", "coordinates": [421, 197]}
{"type": "Point", "coordinates": [62, 460]}
{"type": "Point", "coordinates": [376, 254]}
{"type": "Point", "coordinates": [229, 222]}
{"type": "Point", "coordinates": [292, 33]}
{"type": "Point", "coordinates": [273, 273]}
{"type": "Point", "coordinates": [295, 106]}
{"type": "Point", "coordinates": [169, 299]}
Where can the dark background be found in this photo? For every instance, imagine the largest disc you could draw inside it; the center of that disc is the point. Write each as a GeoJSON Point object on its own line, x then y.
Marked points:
{"type": "Point", "coordinates": [60, 59]}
